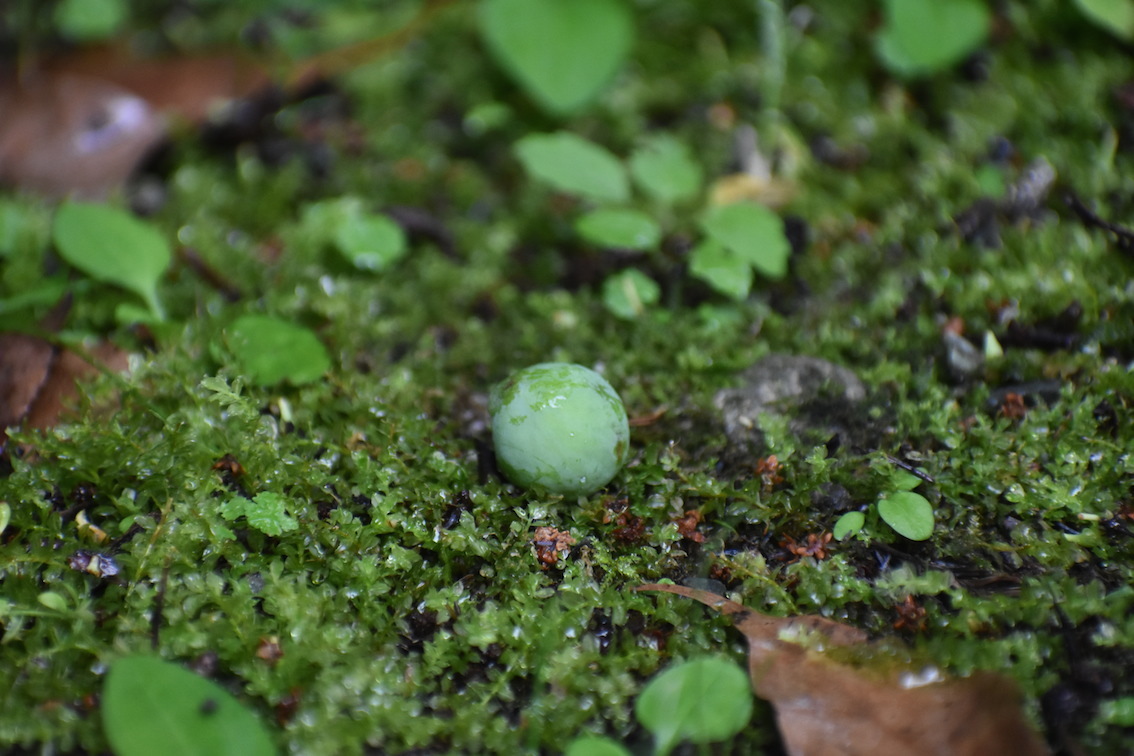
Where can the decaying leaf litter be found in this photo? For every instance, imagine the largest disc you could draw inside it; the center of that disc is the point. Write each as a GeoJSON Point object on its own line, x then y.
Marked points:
{"type": "Point", "coordinates": [792, 474]}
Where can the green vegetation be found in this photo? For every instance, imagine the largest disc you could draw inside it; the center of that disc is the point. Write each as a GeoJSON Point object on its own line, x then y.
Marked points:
{"type": "Point", "coordinates": [295, 485]}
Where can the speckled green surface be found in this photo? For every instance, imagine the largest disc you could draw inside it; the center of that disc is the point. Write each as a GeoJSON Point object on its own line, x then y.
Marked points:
{"type": "Point", "coordinates": [410, 606]}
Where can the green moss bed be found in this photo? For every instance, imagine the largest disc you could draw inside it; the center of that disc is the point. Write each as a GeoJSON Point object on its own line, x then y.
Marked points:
{"type": "Point", "coordinates": [409, 610]}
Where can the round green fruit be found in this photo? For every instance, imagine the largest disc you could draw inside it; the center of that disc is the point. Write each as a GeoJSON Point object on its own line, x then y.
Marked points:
{"type": "Point", "coordinates": [559, 426]}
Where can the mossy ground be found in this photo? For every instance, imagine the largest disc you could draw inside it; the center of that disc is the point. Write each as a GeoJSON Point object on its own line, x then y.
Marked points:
{"type": "Point", "coordinates": [410, 607]}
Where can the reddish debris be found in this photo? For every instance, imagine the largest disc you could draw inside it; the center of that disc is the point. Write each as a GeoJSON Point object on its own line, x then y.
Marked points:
{"type": "Point", "coordinates": [815, 545]}
{"type": "Point", "coordinates": [910, 616]}
{"type": "Point", "coordinates": [269, 650]}
{"type": "Point", "coordinates": [687, 526]}
{"type": "Point", "coordinates": [549, 542]}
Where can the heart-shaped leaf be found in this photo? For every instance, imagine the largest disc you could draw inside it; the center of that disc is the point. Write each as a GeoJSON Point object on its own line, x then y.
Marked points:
{"type": "Point", "coordinates": [152, 706]}
{"type": "Point", "coordinates": [111, 245]}
{"type": "Point", "coordinates": [562, 52]}
{"type": "Point", "coordinates": [909, 513]}
{"type": "Point", "coordinates": [753, 232]}
{"type": "Point", "coordinates": [925, 36]}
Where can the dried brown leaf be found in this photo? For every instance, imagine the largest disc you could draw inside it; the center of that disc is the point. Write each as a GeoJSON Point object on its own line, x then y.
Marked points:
{"type": "Point", "coordinates": [834, 693]}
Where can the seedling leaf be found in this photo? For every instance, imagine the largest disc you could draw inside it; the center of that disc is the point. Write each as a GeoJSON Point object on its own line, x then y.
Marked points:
{"type": "Point", "coordinates": [619, 229]}
{"type": "Point", "coordinates": [701, 700]}
{"type": "Point", "coordinates": [926, 36]}
{"type": "Point", "coordinates": [908, 513]}
{"type": "Point", "coordinates": [593, 745]}
{"type": "Point", "coordinates": [664, 169]}
{"type": "Point", "coordinates": [574, 165]}
{"type": "Point", "coordinates": [152, 706]}
{"type": "Point", "coordinates": [847, 525]}
{"type": "Point", "coordinates": [562, 52]}
{"type": "Point", "coordinates": [111, 245]}
{"type": "Point", "coordinates": [271, 351]}
{"type": "Point", "coordinates": [753, 232]}
{"type": "Point", "coordinates": [721, 268]}
{"type": "Point", "coordinates": [370, 242]}
{"type": "Point", "coordinates": [1116, 16]}
{"type": "Point", "coordinates": [629, 293]}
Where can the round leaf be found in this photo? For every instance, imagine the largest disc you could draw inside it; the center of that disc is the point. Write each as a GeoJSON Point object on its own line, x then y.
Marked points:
{"type": "Point", "coordinates": [271, 351]}
{"type": "Point", "coordinates": [619, 229]}
{"type": "Point", "coordinates": [370, 242]}
{"type": "Point", "coordinates": [847, 525]}
{"type": "Point", "coordinates": [562, 52]}
{"type": "Point", "coordinates": [664, 169]}
{"type": "Point", "coordinates": [1116, 16]}
{"type": "Point", "coordinates": [721, 268]}
{"type": "Point", "coordinates": [753, 232]}
{"type": "Point", "coordinates": [702, 701]}
{"type": "Point", "coordinates": [909, 514]}
{"type": "Point", "coordinates": [629, 293]}
{"type": "Point", "coordinates": [111, 245]}
{"type": "Point", "coordinates": [594, 745]}
{"type": "Point", "coordinates": [925, 36]}
{"type": "Point", "coordinates": [152, 706]}
{"type": "Point", "coordinates": [574, 165]}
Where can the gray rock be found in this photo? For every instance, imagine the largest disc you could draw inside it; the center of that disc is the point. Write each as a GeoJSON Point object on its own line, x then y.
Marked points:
{"type": "Point", "coordinates": [814, 394]}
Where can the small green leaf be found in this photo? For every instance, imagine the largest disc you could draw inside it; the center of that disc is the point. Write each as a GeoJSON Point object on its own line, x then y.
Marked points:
{"type": "Point", "coordinates": [370, 242]}
{"type": "Point", "coordinates": [1116, 16]}
{"type": "Point", "coordinates": [721, 268]}
{"type": "Point", "coordinates": [903, 480]}
{"type": "Point", "coordinates": [151, 706]}
{"type": "Point", "coordinates": [701, 700]}
{"type": "Point", "coordinates": [52, 600]}
{"type": "Point", "coordinates": [594, 745]}
{"type": "Point", "coordinates": [664, 169]}
{"type": "Point", "coordinates": [909, 514]}
{"type": "Point", "coordinates": [271, 351]}
{"type": "Point", "coordinates": [90, 19]}
{"type": "Point", "coordinates": [628, 294]}
{"type": "Point", "coordinates": [562, 52]}
{"type": "Point", "coordinates": [111, 245]}
{"type": "Point", "coordinates": [926, 36]}
{"type": "Point", "coordinates": [619, 229]}
{"type": "Point", "coordinates": [753, 232]}
{"type": "Point", "coordinates": [574, 165]}
{"type": "Point", "coordinates": [849, 524]}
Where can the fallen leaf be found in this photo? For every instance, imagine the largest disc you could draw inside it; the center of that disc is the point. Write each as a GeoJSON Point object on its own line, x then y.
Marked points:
{"type": "Point", "coordinates": [38, 379]}
{"type": "Point", "coordinates": [834, 693]}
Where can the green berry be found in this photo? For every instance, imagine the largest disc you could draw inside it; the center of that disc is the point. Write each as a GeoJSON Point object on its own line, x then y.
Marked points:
{"type": "Point", "coordinates": [559, 426]}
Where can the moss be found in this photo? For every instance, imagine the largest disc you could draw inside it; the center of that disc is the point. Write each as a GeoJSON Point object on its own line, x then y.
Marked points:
{"type": "Point", "coordinates": [410, 606]}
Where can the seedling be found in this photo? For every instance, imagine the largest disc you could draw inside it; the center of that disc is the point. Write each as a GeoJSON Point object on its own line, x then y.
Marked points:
{"type": "Point", "coordinates": [908, 513]}
{"type": "Point", "coordinates": [113, 246]}
{"type": "Point", "coordinates": [740, 239]}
